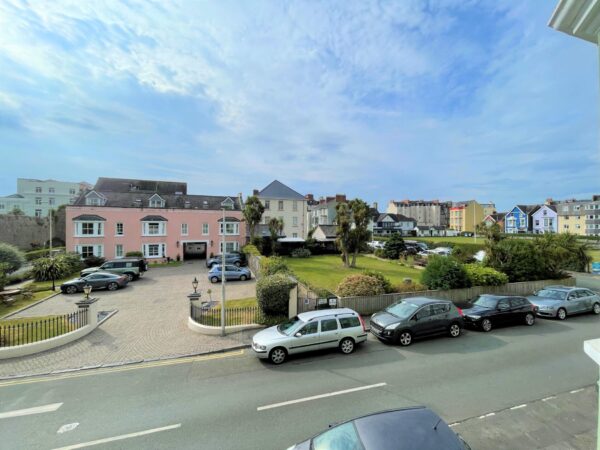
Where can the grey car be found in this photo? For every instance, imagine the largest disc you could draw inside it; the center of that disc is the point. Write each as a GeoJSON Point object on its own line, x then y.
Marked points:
{"type": "Point", "coordinates": [231, 273]}
{"type": "Point", "coordinates": [563, 301]}
{"type": "Point", "coordinates": [98, 280]}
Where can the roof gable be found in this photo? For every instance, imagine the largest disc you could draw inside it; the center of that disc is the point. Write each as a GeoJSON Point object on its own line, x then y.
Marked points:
{"type": "Point", "coordinates": [279, 190]}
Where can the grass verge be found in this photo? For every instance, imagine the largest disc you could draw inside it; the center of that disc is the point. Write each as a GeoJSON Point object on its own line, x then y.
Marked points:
{"type": "Point", "coordinates": [33, 329]}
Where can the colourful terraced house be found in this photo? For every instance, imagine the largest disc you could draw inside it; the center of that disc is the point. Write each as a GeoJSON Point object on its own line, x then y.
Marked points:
{"type": "Point", "coordinates": [519, 219]}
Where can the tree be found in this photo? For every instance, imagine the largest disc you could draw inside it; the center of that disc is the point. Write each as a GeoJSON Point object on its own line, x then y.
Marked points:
{"type": "Point", "coordinates": [445, 273]}
{"type": "Point", "coordinates": [344, 226]}
{"type": "Point", "coordinates": [394, 247]}
{"type": "Point", "coordinates": [275, 228]}
{"type": "Point", "coordinates": [16, 211]}
{"type": "Point", "coordinates": [492, 235]}
{"type": "Point", "coordinates": [359, 232]}
{"type": "Point", "coordinates": [253, 211]}
{"type": "Point", "coordinates": [11, 256]}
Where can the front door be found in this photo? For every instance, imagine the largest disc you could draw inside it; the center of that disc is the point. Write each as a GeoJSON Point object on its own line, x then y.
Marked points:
{"type": "Point", "coordinates": [330, 333]}
{"type": "Point", "coordinates": [306, 339]}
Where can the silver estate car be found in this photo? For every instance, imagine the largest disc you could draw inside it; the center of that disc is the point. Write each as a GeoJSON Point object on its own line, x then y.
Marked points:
{"type": "Point", "coordinates": [563, 301]}
{"type": "Point", "coordinates": [340, 328]}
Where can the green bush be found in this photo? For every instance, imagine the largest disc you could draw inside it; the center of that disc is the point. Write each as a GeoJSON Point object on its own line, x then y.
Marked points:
{"type": "Point", "coordinates": [379, 252]}
{"type": "Point", "coordinates": [444, 273]}
{"type": "Point", "coordinates": [35, 254]}
{"type": "Point", "coordinates": [134, 254]}
{"type": "Point", "coordinates": [273, 294]}
{"type": "Point", "coordinates": [409, 287]}
{"type": "Point", "coordinates": [485, 276]}
{"type": "Point", "coordinates": [250, 250]}
{"type": "Point", "coordinates": [394, 247]}
{"type": "Point", "coordinates": [11, 257]}
{"type": "Point", "coordinates": [273, 265]}
{"type": "Point", "coordinates": [19, 277]}
{"type": "Point", "coordinates": [463, 254]}
{"type": "Point", "coordinates": [385, 283]}
{"type": "Point", "coordinates": [301, 253]}
{"type": "Point", "coordinates": [519, 259]}
{"type": "Point", "coordinates": [271, 320]}
{"type": "Point", "coordinates": [44, 269]}
{"type": "Point", "coordinates": [93, 261]}
{"type": "Point", "coordinates": [358, 285]}
{"type": "Point", "coordinates": [3, 277]}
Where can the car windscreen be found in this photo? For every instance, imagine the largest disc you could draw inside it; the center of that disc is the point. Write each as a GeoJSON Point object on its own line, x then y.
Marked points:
{"type": "Point", "coordinates": [290, 326]}
{"type": "Point", "coordinates": [402, 309]}
{"type": "Point", "coordinates": [551, 293]}
{"type": "Point", "coordinates": [486, 301]}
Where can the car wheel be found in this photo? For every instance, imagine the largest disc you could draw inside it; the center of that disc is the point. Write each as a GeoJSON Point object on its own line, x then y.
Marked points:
{"type": "Point", "coordinates": [71, 289]}
{"type": "Point", "coordinates": [278, 355]}
{"type": "Point", "coordinates": [237, 264]}
{"type": "Point", "coordinates": [130, 276]}
{"type": "Point", "coordinates": [454, 330]}
{"type": "Point", "coordinates": [529, 319]}
{"type": "Point", "coordinates": [561, 314]}
{"type": "Point", "coordinates": [596, 308]}
{"type": "Point", "coordinates": [112, 286]}
{"type": "Point", "coordinates": [486, 325]}
{"type": "Point", "coordinates": [242, 277]}
{"type": "Point", "coordinates": [347, 346]}
{"type": "Point", "coordinates": [214, 279]}
{"type": "Point", "coordinates": [405, 338]}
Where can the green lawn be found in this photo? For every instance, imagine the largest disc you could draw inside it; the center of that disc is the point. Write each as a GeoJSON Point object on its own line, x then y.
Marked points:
{"type": "Point", "coordinates": [327, 271]}
{"type": "Point", "coordinates": [35, 329]}
{"type": "Point", "coordinates": [47, 285]}
{"type": "Point", "coordinates": [23, 302]}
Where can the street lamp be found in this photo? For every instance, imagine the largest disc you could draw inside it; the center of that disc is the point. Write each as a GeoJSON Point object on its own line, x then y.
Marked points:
{"type": "Point", "coordinates": [87, 289]}
{"type": "Point", "coordinates": [195, 285]}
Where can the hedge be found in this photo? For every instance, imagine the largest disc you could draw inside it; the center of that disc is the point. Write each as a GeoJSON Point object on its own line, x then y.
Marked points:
{"type": "Point", "coordinates": [11, 257]}
{"type": "Point", "coordinates": [485, 276]}
{"type": "Point", "coordinates": [444, 273]}
{"type": "Point", "coordinates": [301, 253]}
{"type": "Point", "coordinates": [35, 254]}
{"type": "Point", "coordinates": [273, 294]}
{"type": "Point", "coordinates": [134, 254]}
{"type": "Point", "coordinates": [250, 250]}
{"type": "Point", "coordinates": [273, 265]}
{"type": "Point", "coordinates": [358, 285]}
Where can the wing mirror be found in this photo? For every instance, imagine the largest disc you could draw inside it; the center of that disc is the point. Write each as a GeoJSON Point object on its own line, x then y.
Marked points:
{"type": "Point", "coordinates": [298, 334]}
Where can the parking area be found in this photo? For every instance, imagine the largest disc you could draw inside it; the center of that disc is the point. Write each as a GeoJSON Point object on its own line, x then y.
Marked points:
{"type": "Point", "coordinates": [151, 322]}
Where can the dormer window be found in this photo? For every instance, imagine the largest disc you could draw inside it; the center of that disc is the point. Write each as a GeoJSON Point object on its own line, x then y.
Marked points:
{"type": "Point", "coordinates": [156, 201]}
{"type": "Point", "coordinates": [95, 199]}
{"type": "Point", "coordinates": [205, 204]}
{"type": "Point", "coordinates": [227, 203]}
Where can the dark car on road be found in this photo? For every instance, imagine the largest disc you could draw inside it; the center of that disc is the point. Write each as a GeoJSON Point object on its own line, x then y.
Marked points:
{"type": "Point", "coordinates": [416, 317]}
{"type": "Point", "coordinates": [133, 268]}
{"type": "Point", "coordinates": [413, 428]}
{"type": "Point", "coordinates": [488, 311]}
{"type": "Point", "coordinates": [235, 258]}
{"type": "Point", "coordinates": [97, 280]}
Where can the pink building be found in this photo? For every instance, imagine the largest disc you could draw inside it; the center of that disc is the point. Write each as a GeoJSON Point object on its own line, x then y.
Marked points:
{"type": "Point", "coordinates": [156, 218]}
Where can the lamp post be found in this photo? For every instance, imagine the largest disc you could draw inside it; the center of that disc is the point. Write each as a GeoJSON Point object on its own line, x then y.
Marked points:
{"type": "Point", "coordinates": [195, 285]}
{"type": "Point", "coordinates": [87, 289]}
{"type": "Point", "coordinates": [223, 271]}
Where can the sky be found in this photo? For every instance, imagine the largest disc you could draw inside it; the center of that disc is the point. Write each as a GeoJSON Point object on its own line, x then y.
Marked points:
{"type": "Point", "coordinates": [382, 100]}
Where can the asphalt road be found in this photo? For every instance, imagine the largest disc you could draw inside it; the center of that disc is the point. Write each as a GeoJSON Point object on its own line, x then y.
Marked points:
{"type": "Point", "coordinates": [230, 401]}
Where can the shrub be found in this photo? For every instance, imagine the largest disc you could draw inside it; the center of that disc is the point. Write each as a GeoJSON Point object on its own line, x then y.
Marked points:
{"type": "Point", "coordinates": [385, 283]}
{"type": "Point", "coordinates": [379, 253]}
{"type": "Point", "coordinates": [409, 287]}
{"type": "Point", "coordinates": [19, 277]}
{"type": "Point", "coordinates": [485, 276]}
{"type": "Point", "coordinates": [134, 254]}
{"type": "Point", "coordinates": [3, 277]}
{"type": "Point", "coordinates": [270, 321]}
{"type": "Point", "coordinates": [520, 259]}
{"type": "Point", "coordinates": [93, 261]}
{"type": "Point", "coordinates": [11, 257]}
{"type": "Point", "coordinates": [357, 285]}
{"type": "Point", "coordinates": [463, 254]}
{"type": "Point", "coordinates": [273, 265]}
{"type": "Point", "coordinates": [301, 253]}
{"type": "Point", "coordinates": [273, 294]}
{"type": "Point", "coordinates": [251, 250]}
{"type": "Point", "coordinates": [35, 254]}
{"type": "Point", "coordinates": [60, 266]}
{"type": "Point", "coordinates": [444, 273]}
{"type": "Point", "coordinates": [394, 247]}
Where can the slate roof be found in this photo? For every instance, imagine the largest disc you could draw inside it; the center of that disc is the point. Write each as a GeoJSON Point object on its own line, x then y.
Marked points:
{"type": "Point", "coordinates": [133, 185]}
{"type": "Point", "coordinates": [90, 217]}
{"type": "Point", "coordinates": [262, 230]}
{"type": "Point", "coordinates": [229, 219]}
{"type": "Point", "coordinates": [153, 219]}
{"type": "Point", "coordinates": [498, 216]}
{"type": "Point", "coordinates": [373, 213]}
{"type": "Point", "coordinates": [15, 196]}
{"type": "Point", "coordinates": [279, 190]}
{"type": "Point", "coordinates": [528, 209]}
{"type": "Point", "coordinates": [396, 217]}
{"type": "Point", "coordinates": [129, 200]}
{"type": "Point", "coordinates": [329, 230]}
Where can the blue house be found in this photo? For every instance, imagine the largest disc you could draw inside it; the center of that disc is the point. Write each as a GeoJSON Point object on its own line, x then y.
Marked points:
{"type": "Point", "coordinates": [520, 219]}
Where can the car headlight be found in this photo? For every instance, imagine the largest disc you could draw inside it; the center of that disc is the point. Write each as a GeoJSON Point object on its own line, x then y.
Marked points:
{"type": "Point", "coordinates": [474, 317]}
{"type": "Point", "coordinates": [258, 346]}
{"type": "Point", "coordinates": [547, 308]}
{"type": "Point", "coordinates": [391, 328]}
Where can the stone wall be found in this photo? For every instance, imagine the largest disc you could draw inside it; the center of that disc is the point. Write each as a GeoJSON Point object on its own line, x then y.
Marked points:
{"type": "Point", "coordinates": [26, 232]}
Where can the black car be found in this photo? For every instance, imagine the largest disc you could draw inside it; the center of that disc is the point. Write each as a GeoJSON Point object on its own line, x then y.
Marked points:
{"type": "Point", "coordinates": [416, 317]}
{"type": "Point", "coordinates": [488, 311]}
{"type": "Point", "coordinates": [235, 258]}
{"type": "Point", "coordinates": [414, 428]}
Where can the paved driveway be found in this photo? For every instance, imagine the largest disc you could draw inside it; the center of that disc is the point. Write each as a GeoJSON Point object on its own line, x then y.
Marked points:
{"type": "Point", "coordinates": [151, 322]}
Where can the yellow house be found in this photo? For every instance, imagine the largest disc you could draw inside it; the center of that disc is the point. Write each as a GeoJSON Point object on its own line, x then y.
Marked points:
{"type": "Point", "coordinates": [465, 216]}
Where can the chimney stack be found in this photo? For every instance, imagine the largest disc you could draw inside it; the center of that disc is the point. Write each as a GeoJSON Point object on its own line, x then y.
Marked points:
{"type": "Point", "coordinates": [375, 206]}
{"type": "Point", "coordinates": [255, 192]}
{"type": "Point", "coordinates": [340, 198]}
{"type": "Point", "coordinates": [309, 197]}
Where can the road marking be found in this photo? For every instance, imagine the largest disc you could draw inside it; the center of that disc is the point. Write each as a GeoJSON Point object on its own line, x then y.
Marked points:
{"type": "Point", "coordinates": [487, 415]}
{"type": "Point", "coordinates": [576, 391]}
{"type": "Point", "coordinates": [67, 427]}
{"type": "Point", "coordinates": [454, 424]}
{"type": "Point", "coordinates": [548, 398]}
{"type": "Point", "coordinates": [100, 371]}
{"type": "Point", "coordinates": [316, 397]}
{"type": "Point", "coordinates": [28, 411]}
{"type": "Point", "coordinates": [119, 438]}
{"type": "Point", "coordinates": [518, 407]}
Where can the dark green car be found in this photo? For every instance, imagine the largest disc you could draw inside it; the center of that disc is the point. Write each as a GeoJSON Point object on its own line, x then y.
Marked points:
{"type": "Point", "coordinates": [133, 268]}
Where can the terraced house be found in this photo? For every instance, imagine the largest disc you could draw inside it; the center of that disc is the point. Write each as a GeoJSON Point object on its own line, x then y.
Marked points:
{"type": "Point", "coordinates": [158, 218]}
{"type": "Point", "coordinates": [581, 217]}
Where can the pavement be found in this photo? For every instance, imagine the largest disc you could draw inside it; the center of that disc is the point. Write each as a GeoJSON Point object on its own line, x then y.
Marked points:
{"type": "Point", "coordinates": [151, 323]}
{"type": "Point", "coordinates": [515, 388]}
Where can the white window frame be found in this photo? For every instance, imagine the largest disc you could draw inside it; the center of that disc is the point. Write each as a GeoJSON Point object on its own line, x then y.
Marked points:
{"type": "Point", "coordinates": [51, 190]}
{"type": "Point", "coordinates": [122, 233]}
{"type": "Point", "coordinates": [295, 221]}
{"type": "Point", "coordinates": [205, 229]}
{"type": "Point", "coordinates": [72, 191]}
{"type": "Point", "coordinates": [51, 201]}
{"type": "Point", "coordinates": [235, 225]}
{"type": "Point", "coordinates": [231, 246]}
{"type": "Point", "coordinates": [267, 204]}
{"type": "Point", "coordinates": [161, 248]}
{"type": "Point", "coordinates": [38, 213]}
{"type": "Point", "coordinates": [184, 229]}
{"type": "Point", "coordinates": [121, 253]}
{"type": "Point", "coordinates": [161, 228]}
{"type": "Point", "coordinates": [97, 250]}
{"type": "Point", "coordinates": [280, 205]}
{"type": "Point", "coordinates": [38, 189]}
{"type": "Point", "coordinates": [97, 228]}
{"type": "Point", "coordinates": [38, 200]}
{"type": "Point", "coordinates": [156, 201]}
{"type": "Point", "coordinates": [295, 205]}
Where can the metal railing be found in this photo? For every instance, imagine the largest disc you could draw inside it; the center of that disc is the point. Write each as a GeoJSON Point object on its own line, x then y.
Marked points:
{"type": "Point", "coordinates": [26, 331]}
{"type": "Point", "coordinates": [233, 316]}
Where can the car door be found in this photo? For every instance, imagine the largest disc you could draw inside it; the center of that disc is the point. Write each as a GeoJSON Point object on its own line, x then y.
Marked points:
{"type": "Point", "coordinates": [503, 311]}
{"type": "Point", "coordinates": [330, 333]}
{"type": "Point", "coordinates": [305, 339]}
{"type": "Point", "coordinates": [423, 322]}
{"type": "Point", "coordinates": [590, 299]}
{"type": "Point", "coordinates": [517, 310]}
{"type": "Point", "coordinates": [439, 317]}
{"type": "Point", "coordinates": [97, 281]}
{"type": "Point", "coordinates": [231, 273]}
{"type": "Point", "coordinates": [573, 303]}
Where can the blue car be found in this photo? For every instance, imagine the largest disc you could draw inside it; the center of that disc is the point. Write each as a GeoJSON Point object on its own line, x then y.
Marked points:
{"type": "Point", "coordinates": [231, 273]}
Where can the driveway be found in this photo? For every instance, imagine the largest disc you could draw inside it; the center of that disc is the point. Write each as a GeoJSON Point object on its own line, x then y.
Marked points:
{"type": "Point", "coordinates": [151, 322]}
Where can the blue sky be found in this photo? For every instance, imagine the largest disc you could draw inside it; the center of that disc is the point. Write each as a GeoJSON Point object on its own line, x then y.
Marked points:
{"type": "Point", "coordinates": [383, 100]}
